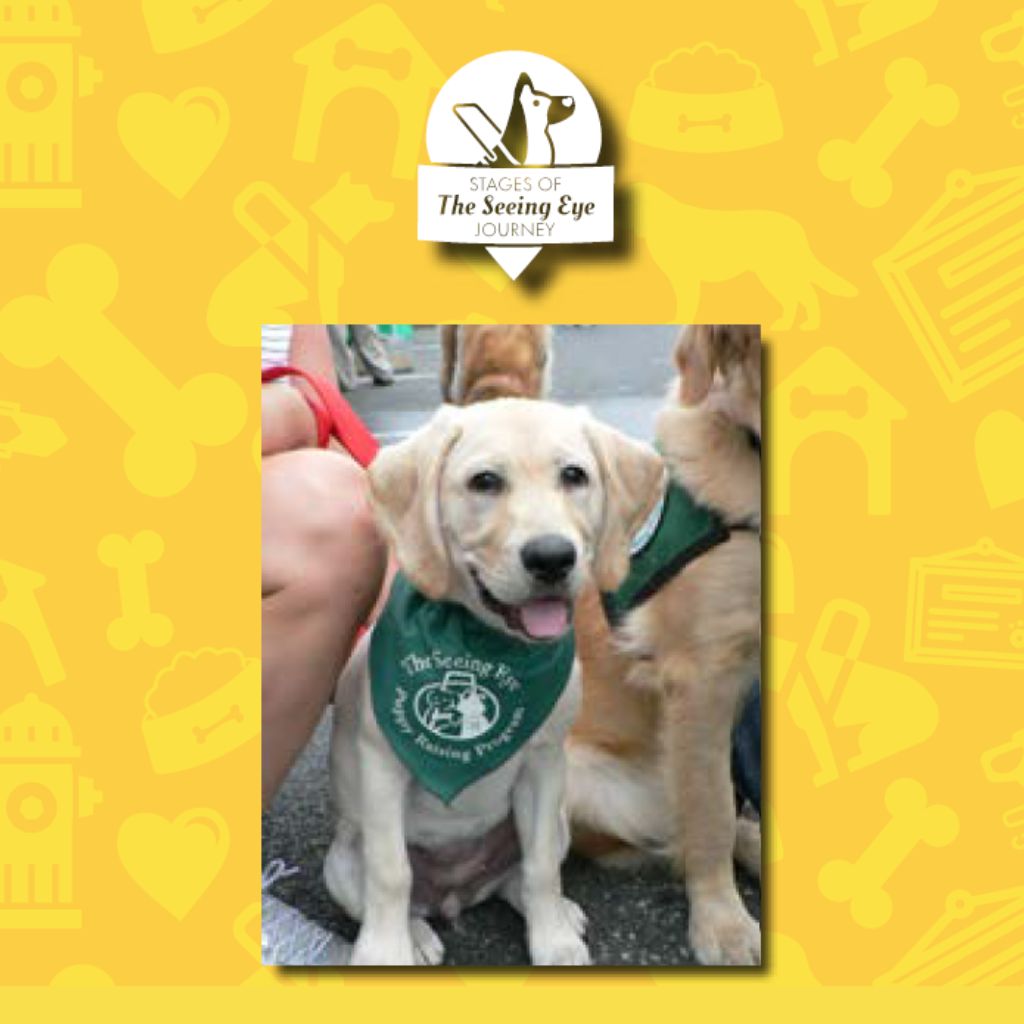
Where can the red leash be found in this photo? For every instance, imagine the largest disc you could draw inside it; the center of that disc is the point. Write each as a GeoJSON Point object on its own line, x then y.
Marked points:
{"type": "Point", "coordinates": [334, 416]}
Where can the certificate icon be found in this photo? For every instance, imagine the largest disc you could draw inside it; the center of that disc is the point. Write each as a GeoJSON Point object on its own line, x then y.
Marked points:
{"type": "Point", "coordinates": [966, 607]}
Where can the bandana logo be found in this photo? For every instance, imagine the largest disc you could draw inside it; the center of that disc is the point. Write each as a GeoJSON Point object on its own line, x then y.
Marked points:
{"type": "Point", "coordinates": [457, 708]}
{"type": "Point", "coordinates": [455, 698]}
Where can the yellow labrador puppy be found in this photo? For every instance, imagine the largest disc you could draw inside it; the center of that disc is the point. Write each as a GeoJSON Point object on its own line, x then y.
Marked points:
{"type": "Point", "coordinates": [447, 759]}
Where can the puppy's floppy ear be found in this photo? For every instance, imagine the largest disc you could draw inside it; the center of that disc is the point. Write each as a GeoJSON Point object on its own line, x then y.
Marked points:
{"type": "Point", "coordinates": [523, 83]}
{"type": "Point", "coordinates": [631, 473]}
{"type": "Point", "coordinates": [405, 485]}
{"type": "Point", "coordinates": [696, 359]}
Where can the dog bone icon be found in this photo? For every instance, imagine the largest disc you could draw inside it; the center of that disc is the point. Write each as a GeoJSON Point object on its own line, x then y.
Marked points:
{"type": "Point", "coordinates": [911, 101]}
{"type": "Point", "coordinates": [804, 402]}
{"type": "Point", "coordinates": [724, 122]}
{"type": "Point", "coordinates": [136, 622]}
{"type": "Point", "coordinates": [69, 324]}
{"type": "Point", "coordinates": [862, 883]}
{"type": "Point", "coordinates": [348, 54]}
{"type": "Point", "coordinates": [233, 714]}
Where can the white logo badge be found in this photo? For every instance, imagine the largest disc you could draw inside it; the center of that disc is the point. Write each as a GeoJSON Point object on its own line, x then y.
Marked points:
{"type": "Point", "coordinates": [458, 708]}
{"type": "Point", "coordinates": [514, 138]}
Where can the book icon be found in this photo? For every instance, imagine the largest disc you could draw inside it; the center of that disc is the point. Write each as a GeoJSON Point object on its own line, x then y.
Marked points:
{"type": "Point", "coordinates": [966, 607]}
{"type": "Point", "coordinates": [955, 278]}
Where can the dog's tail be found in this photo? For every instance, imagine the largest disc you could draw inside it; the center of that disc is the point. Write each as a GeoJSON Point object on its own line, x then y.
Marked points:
{"type": "Point", "coordinates": [610, 797]}
{"type": "Point", "coordinates": [831, 281]}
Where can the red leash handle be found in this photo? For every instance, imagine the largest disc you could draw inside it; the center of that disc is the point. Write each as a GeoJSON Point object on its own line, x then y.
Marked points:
{"type": "Point", "coordinates": [334, 416]}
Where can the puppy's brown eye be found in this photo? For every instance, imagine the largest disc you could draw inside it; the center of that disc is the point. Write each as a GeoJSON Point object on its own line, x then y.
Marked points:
{"type": "Point", "coordinates": [536, 103]}
{"type": "Point", "coordinates": [574, 476]}
{"type": "Point", "coordinates": [486, 482]}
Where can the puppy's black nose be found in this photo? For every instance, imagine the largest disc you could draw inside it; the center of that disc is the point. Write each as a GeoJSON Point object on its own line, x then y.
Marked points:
{"type": "Point", "coordinates": [548, 558]}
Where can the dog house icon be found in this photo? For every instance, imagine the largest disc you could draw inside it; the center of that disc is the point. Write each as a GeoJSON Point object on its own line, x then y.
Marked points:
{"type": "Point", "coordinates": [831, 394]}
{"type": "Point", "coordinates": [40, 800]}
{"type": "Point", "coordinates": [40, 79]}
{"type": "Point", "coordinates": [372, 50]}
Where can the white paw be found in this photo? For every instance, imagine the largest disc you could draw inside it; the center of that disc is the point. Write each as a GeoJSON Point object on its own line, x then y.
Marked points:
{"type": "Point", "coordinates": [557, 941]}
{"type": "Point", "coordinates": [574, 915]}
{"type": "Point", "coordinates": [427, 947]}
{"type": "Point", "coordinates": [383, 950]}
{"type": "Point", "coordinates": [565, 950]}
{"type": "Point", "coordinates": [722, 932]}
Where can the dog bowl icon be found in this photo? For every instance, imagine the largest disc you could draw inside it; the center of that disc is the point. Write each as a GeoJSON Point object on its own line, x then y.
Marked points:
{"type": "Point", "coordinates": [705, 100]}
{"type": "Point", "coordinates": [201, 707]}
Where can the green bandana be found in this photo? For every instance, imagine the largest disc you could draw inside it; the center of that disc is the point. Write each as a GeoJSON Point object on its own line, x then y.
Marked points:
{"type": "Point", "coordinates": [454, 697]}
{"type": "Point", "coordinates": [677, 531]}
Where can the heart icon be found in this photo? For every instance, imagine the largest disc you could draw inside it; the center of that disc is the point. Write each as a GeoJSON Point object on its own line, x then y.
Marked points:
{"type": "Point", "coordinates": [174, 141]}
{"type": "Point", "coordinates": [174, 862]}
{"type": "Point", "coordinates": [999, 452]}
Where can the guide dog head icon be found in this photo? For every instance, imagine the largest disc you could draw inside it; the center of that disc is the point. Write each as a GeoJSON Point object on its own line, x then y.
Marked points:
{"type": "Point", "coordinates": [527, 134]}
{"type": "Point", "coordinates": [526, 140]}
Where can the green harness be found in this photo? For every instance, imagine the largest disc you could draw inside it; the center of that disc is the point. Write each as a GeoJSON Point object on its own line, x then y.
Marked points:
{"type": "Point", "coordinates": [678, 531]}
{"type": "Point", "coordinates": [454, 697]}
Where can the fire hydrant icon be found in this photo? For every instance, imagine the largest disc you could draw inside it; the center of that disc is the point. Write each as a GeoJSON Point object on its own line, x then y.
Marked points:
{"type": "Point", "coordinates": [40, 800]}
{"type": "Point", "coordinates": [41, 77]}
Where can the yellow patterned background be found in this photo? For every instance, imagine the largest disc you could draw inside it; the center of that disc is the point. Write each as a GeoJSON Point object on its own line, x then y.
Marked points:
{"type": "Point", "coordinates": [175, 172]}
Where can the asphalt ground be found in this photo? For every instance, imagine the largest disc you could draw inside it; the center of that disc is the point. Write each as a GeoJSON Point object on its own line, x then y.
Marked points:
{"type": "Point", "coordinates": [638, 916]}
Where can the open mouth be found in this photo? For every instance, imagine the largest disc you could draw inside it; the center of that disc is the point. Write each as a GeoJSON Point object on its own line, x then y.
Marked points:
{"type": "Point", "coordinates": [541, 618]}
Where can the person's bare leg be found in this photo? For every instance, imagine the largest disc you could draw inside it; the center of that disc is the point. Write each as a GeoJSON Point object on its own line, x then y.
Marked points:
{"type": "Point", "coordinates": [323, 563]}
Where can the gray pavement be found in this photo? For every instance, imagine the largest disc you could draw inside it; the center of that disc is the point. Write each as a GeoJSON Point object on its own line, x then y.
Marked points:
{"type": "Point", "coordinates": [637, 916]}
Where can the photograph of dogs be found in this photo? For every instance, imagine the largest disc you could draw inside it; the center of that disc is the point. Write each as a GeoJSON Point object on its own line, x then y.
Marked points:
{"type": "Point", "coordinates": [595, 822]}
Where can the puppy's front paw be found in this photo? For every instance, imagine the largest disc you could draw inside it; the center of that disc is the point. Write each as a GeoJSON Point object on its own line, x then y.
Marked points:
{"type": "Point", "coordinates": [383, 950]}
{"type": "Point", "coordinates": [428, 947]}
{"type": "Point", "coordinates": [573, 913]}
{"type": "Point", "coordinates": [722, 932]}
{"type": "Point", "coordinates": [557, 941]}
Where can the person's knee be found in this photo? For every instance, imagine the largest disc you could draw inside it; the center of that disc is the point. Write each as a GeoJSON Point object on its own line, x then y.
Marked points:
{"type": "Point", "coordinates": [328, 529]}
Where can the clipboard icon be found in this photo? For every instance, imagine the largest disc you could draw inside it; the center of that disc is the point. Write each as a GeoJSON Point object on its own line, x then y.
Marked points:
{"type": "Point", "coordinates": [966, 607]}
{"type": "Point", "coordinates": [976, 941]}
{"type": "Point", "coordinates": [957, 280]}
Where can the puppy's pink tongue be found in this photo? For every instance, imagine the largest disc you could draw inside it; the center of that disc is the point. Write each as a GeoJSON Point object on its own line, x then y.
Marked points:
{"type": "Point", "coordinates": [545, 618]}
